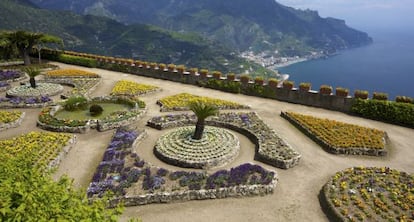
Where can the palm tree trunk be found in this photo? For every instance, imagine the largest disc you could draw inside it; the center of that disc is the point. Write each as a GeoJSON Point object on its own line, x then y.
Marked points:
{"type": "Point", "coordinates": [198, 133]}
{"type": "Point", "coordinates": [32, 82]}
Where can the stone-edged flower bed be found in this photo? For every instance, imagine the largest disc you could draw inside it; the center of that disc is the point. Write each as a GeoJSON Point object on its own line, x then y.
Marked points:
{"type": "Point", "coordinates": [4, 86]}
{"type": "Point", "coordinates": [338, 137]}
{"type": "Point", "coordinates": [42, 89]}
{"type": "Point", "coordinates": [46, 148]}
{"type": "Point", "coordinates": [126, 87]}
{"type": "Point", "coordinates": [25, 102]}
{"type": "Point", "coordinates": [369, 194]}
{"type": "Point", "coordinates": [10, 119]}
{"type": "Point", "coordinates": [82, 86]}
{"type": "Point", "coordinates": [11, 76]}
{"type": "Point", "coordinates": [72, 73]}
{"type": "Point", "coordinates": [217, 147]}
{"type": "Point", "coordinates": [270, 148]}
{"type": "Point", "coordinates": [181, 101]}
{"type": "Point", "coordinates": [135, 182]}
{"type": "Point", "coordinates": [48, 121]}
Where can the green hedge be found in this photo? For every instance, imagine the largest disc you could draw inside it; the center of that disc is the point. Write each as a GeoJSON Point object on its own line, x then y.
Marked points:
{"type": "Point", "coordinates": [76, 60]}
{"type": "Point", "coordinates": [386, 111]}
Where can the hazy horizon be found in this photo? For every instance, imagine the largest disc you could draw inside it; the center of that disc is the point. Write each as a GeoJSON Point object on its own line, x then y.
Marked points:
{"type": "Point", "coordinates": [366, 15]}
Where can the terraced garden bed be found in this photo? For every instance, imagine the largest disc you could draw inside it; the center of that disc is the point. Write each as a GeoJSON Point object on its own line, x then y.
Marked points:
{"type": "Point", "coordinates": [72, 73]}
{"type": "Point", "coordinates": [136, 182]}
{"type": "Point", "coordinates": [126, 87]}
{"type": "Point", "coordinates": [25, 102]}
{"type": "Point", "coordinates": [45, 147]}
{"type": "Point", "coordinates": [369, 194]}
{"type": "Point", "coordinates": [10, 119]}
{"type": "Point", "coordinates": [338, 137]}
{"type": "Point", "coordinates": [270, 148]}
{"type": "Point", "coordinates": [181, 101]}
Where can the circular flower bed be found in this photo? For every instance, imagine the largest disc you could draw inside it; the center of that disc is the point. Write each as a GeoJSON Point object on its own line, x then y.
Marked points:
{"type": "Point", "coordinates": [369, 194]}
{"type": "Point", "coordinates": [217, 147]}
{"type": "Point", "coordinates": [42, 89]}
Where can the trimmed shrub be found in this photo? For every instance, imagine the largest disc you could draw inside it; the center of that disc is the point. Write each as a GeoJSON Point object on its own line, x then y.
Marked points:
{"type": "Point", "coordinates": [305, 86]}
{"type": "Point", "coordinates": [227, 86]}
{"type": "Point", "coordinates": [76, 60]}
{"type": "Point", "coordinates": [380, 96]}
{"type": "Point", "coordinates": [386, 111]}
{"type": "Point", "coordinates": [76, 103]}
{"type": "Point", "coordinates": [231, 76]}
{"type": "Point", "coordinates": [95, 110]}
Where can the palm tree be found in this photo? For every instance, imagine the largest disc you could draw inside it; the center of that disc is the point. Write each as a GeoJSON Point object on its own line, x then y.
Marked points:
{"type": "Point", "coordinates": [202, 111]}
{"type": "Point", "coordinates": [25, 41]}
{"type": "Point", "coordinates": [32, 73]}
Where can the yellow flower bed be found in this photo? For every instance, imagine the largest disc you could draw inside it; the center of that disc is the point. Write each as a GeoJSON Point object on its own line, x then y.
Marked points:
{"type": "Point", "coordinates": [71, 73]}
{"type": "Point", "coordinates": [339, 134]}
{"type": "Point", "coordinates": [42, 146]}
{"type": "Point", "coordinates": [182, 100]}
{"type": "Point", "coordinates": [9, 116]}
{"type": "Point", "coordinates": [126, 87]}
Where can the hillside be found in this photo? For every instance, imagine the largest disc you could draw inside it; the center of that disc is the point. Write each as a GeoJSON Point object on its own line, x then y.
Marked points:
{"type": "Point", "coordinates": [104, 36]}
{"type": "Point", "coordinates": [262, 25]}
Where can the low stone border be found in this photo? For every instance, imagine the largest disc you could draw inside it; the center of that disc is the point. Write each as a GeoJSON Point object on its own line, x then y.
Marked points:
{"type": "Point", "coordinates": [70, 81]}
{"type": "Point", "coordinates": [5, 88]}
{"type": "Point", "coordinates": [65, 150]}
{"type": "Point", "coordinates": [24, 105]}
{"type": "Point", "coordinates": [270, 148]}
{"type": "Point", "coordinates": [41, 90]}
{"type": "Point", "coordinates": [203, 194]}
{"type": "Point", "coordinates": [335, 150]}
{"type": "Point", "coordinates": [11, 63]}
{"type": "Point", "coordinates": [14, 124]}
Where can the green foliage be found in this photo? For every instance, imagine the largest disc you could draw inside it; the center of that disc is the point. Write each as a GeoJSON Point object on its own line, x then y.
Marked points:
{"type": "Point", "coordinates": [387, 111]}
{"type": "Point", "coordinates": [404, 99]}
{"type": "Point", "coordinates": [380, 96]}
{"type": "Point", "coordinates": [95, 110]}
{"type": "Point", "coordinates": [27, 194]}
{"type": "Point", "coordinates": [76, 60]}
{"type": "Point", "coordinates": [203, 110]}
{"type": "Point", "coordinates": [76, 103]}
{"type": "Point", "coordinates": [227, 86]}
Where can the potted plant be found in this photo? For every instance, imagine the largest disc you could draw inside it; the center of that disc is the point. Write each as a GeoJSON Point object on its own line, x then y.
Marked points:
{"type": "Point", "coordinates": [204, 72]}
{"type": "Point", "coordinates": [244, 78]}
{"type": "Point", "coordinates": [404, 99]}
{"type": "Point", "coordinates": [171, 67]}
{"type": "Point", "coordinates": [273, 82]}
{"type": "Point", "coordinates": [138, 63]}
{"type": "Point", "coordinates": [193, 71]}
{"type": "Point", "coordinates": [259, 81]}
{"type": "Point", "coordinates": [162, 66]}
{"type": "Point", "coordinates": [145, 65]}
{"type": "Point", "coordinates": [305, 86]}
{"type": "Point", "coordinates": [343, 92]}
{"type": "Point", "coordinates": [325, 90]}
{"type": "Point", "coordinates": [288, 84]}
{"type": "Point", "coordinates": [361, 94]}
{"type": "Point", "coordinates": [181, 68]}
{"type": "Point", "coordinates": [231, 77]}
{"type": "Point", "coordinates": [153, 65]}
{"type": "Point", "coordinates": [216, 74]}
{"type": "Point", "coordinates": [380, 96]}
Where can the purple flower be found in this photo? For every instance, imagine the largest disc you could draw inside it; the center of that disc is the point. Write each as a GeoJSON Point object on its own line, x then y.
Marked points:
{"type": "Point", "coordinates": [15, 100]}
{"type": "Point", "coordinates": [30, 100]}
{"type": "Point", "coordinates": [4, 84]}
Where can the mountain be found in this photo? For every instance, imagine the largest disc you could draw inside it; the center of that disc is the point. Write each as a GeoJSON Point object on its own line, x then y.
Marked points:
{"type": "Point", "coordinates": [104, 36]}
{"type": "Point", "coordinates": [260, 25]}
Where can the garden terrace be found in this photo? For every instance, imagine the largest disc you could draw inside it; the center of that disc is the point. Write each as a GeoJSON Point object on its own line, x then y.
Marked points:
{"type": "Point", "coordinates": [340, 138]}
{"type": "Point", "coordinates": [48, 121]}
{"type": "Point", "coordinates": [10, 119]}
{"type": "Point", "coordinates": [181, 101]}
{"type": "Point", "coordinates": [135, 182]}
{"type": "Point", "coordinates": [369, 194]}
{"type": "Point", "coordinates": [46, 148]}
{"type": "Point", "coordinates": [270, 148]}
{"type": "Point", "coordinates": [72, 73]}
{"type": "Point", "coordinates": [216, 148]}
{"type": "Point", "coordinates": [126, 87]}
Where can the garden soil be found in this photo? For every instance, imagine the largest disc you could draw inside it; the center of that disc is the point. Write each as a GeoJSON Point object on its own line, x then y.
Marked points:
{"type": "Point", "coordinates": [296, 196]}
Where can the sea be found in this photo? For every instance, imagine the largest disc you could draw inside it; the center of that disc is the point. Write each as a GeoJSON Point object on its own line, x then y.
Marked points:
{"type": "Point", "coordinates": [386, 65]}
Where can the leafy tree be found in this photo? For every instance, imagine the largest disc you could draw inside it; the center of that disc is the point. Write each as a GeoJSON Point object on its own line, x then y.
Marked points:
{"type": "Point", "coordinates": [29, 194]}
{"type": "Point", "coordinates": [24, 41]}
{"type": "Point", "coordinates": [32, 73]}
{"type": "Point", "coordinates": [202, 111]}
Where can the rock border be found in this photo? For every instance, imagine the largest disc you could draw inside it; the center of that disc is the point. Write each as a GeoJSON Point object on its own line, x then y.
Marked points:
{"type": "Point", "coordinates": [65, 150]}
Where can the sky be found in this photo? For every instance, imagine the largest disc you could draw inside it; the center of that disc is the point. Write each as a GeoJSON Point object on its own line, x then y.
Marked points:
{"type": "Point", "coordinates": [363, 14]}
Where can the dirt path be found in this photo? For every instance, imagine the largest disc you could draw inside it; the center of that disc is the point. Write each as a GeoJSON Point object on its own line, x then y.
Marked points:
{"type": "Point", "coordinates": [295, 197]}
